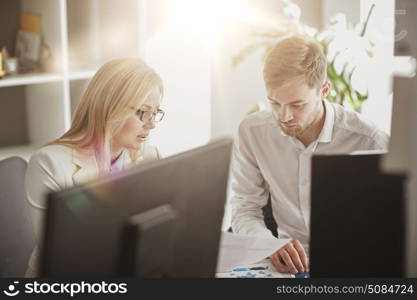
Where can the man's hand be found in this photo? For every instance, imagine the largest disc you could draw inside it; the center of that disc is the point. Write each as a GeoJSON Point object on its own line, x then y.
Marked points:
{"type": "Point", "coordinates": [291, 258]}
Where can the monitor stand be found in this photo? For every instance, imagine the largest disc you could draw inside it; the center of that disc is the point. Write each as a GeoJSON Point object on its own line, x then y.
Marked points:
{"type": "Point", "coordinates": [147, 244]}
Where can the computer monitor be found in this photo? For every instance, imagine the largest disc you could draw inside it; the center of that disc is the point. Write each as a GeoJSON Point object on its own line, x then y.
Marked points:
{"type": "Point", "coordinates": [169, 210]}
{"type": "Point", "coordinates": [357, 218]}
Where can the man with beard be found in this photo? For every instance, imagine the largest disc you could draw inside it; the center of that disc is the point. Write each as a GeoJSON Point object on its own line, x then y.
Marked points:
{"type": "Point", "coordinates": [272, 151]}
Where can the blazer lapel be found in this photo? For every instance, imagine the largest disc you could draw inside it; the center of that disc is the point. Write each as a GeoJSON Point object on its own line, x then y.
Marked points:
{"type": "Point", "coordinates": [86, 167]}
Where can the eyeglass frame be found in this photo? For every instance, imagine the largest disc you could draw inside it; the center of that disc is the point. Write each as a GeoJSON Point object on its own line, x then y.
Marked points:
{"type": "Point", "coordinates": [140, 113]}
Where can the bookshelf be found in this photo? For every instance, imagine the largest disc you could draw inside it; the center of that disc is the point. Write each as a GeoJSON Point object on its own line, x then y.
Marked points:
{"type": "Point", "coordinates": [82, 34]}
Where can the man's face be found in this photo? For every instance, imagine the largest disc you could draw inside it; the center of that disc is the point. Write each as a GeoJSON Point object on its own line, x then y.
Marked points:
{"type": "Point", "coordinates": [296, 106]}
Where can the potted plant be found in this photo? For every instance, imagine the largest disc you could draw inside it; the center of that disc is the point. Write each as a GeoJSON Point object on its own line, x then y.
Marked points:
{"type": "Point", "coordinates": [345, 45]}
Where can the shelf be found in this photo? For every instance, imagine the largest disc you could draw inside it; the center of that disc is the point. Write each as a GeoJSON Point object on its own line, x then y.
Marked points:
{"type": "Point", "coordinates": [30, 78]}
{"type": "Point", "coordinates": [37, 78]}
{"type": "Point", "coordinates": [36, 108]}
{"type": "Point", "coordinates": [23, 151]}
{"type": "Point", "coordinates": [82, 74]}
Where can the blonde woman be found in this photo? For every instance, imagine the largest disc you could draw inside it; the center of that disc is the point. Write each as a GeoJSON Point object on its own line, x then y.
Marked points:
{"type": "Point", "coordinates": [110, 126]}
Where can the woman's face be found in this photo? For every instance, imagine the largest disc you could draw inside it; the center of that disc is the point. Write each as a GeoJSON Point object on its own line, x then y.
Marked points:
{"type": "Point", "coordinates": [134, 131]}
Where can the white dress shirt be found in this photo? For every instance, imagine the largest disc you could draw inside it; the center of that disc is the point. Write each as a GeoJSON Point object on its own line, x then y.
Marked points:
{"type": "Point", "coordinates": [266, 161]}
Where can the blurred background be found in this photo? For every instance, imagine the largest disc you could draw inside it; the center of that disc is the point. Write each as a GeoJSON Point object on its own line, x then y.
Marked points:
{"type": "Point", "coordinates": [210, 56]}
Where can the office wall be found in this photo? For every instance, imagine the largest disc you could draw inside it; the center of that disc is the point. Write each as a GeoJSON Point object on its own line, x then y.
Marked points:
{"type": "Point", "coordinates": [351, 8]}
{"type": "Point", "coordinates": [312, 12]}
{"type": "Point", "coordinates": [380, 30]}
{"type": "Point", "coordinates": [175, 48]}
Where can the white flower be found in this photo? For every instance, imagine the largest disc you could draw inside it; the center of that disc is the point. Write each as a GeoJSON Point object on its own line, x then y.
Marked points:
{"type": "Point", "coordinates": [291, 11]}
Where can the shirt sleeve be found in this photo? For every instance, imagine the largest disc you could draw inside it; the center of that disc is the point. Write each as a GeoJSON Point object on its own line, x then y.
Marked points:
{"type": "Point", "coordinates": [379, 140]}
{"type": "Point", "coordinates": [249, 189]}
{"type": "Point", "coordinates": [41, 178]}
{"type": "Point", "coordinates": [158, 154]}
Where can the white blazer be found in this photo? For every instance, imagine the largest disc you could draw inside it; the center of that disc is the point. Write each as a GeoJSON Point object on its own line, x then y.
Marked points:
{"type": "Point", "coordinates": [56, 167]}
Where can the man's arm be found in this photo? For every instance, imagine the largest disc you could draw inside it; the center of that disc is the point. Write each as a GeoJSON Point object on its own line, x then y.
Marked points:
{"type": "Point", "coordinates": [250, 190]}
{"type": "Point", "coordinates": [250, 195]}
{"type": "Point", "coordinates": [379, 141]}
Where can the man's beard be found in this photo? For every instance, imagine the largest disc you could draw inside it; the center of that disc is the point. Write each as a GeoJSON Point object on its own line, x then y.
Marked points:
{"type": "Point", "coordinates": [292, 131]}
{"type": "Point", "coordinates": [297, 130]}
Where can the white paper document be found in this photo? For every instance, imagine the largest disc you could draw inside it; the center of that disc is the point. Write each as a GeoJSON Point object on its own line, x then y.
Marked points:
{"type": "Point", "coordinates": [238, 250]}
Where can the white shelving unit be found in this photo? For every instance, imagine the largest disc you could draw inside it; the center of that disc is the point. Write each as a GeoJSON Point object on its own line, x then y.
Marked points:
{"type": "Point", "coordinates": [32, 78]}
{"type": "Point", "coordinates": [36, 108]}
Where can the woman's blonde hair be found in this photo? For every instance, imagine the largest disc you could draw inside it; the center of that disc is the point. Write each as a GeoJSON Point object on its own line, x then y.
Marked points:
{"type": "Point", "coordinates": [116, 87]}
{"type": "Point", "coordinates": [296, 57]}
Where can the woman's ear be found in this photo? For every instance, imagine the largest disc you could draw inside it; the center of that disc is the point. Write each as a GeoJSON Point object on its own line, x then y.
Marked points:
{"type": "Point", "coordinates": [325, 88]}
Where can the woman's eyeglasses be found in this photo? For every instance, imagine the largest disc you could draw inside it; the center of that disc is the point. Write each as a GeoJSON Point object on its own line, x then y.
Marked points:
{"type": "Point", "coordinates": [148, 116]}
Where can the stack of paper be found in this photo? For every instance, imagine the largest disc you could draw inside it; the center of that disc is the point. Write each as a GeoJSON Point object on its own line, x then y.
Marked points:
{"type": "Point", "coordinates": [240, 250]}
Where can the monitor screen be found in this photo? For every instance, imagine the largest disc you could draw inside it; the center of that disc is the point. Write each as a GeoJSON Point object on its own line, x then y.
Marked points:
{"type": "Point", "coordinates": [176, 204]}
{"type": "Point", "coordinates": [357, 218]}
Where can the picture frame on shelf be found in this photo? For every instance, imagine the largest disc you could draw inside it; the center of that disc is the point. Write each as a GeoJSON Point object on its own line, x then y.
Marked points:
{"type": "Point", "coordinates": [28, 48]}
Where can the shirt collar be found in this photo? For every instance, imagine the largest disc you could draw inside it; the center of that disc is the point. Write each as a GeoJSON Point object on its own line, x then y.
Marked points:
{"type": "Point", "coordinates": [86, 163]}
{"type": "Point", "coordinates": [327, 130]}
{"type": "Point", "coordinates": [87, 167]}
{"type": "Point", "coordinates": [119, 163]}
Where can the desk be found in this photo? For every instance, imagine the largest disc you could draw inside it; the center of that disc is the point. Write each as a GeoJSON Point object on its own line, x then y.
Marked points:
{"type": "Point", "coordinates": [262, 269]}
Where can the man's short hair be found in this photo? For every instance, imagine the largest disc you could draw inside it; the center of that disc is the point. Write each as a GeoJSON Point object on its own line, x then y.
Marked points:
{"type": "Point", "coordinates": [295, 57]}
